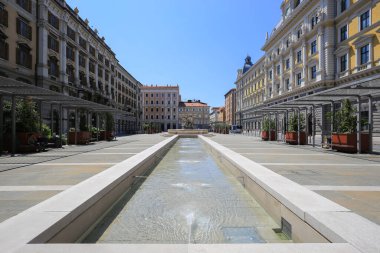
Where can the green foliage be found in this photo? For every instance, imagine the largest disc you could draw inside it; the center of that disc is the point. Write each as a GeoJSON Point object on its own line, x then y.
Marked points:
{"type": "Point", "coordinates": [27, 117]}
{"type": "Point", "coordinates": [344, 120]}
{"type": "Point", "coordinates": [110, 123]}
{"type": "Point", "coordinates": [83, 123]}
{"type": "Point", "coordinates": [222, 127]}
{"type": "Point", "coordinates": [293, 123]}
{"type": "Point", "coordinates": [94, 130]}
{"type": "Point", "coordinates": [46, 131]}
{"type": "Point", "coordinates": [268, 123]}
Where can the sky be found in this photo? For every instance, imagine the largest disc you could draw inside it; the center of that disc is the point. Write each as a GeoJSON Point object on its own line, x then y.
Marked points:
{"type": "Point", "coordinates": [197, 44]}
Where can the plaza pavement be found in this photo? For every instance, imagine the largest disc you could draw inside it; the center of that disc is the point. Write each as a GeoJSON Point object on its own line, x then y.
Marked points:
{"type": "Point", "coordinates": [351, 180]}
{"type": "Point", "coordinates": [26, 180]}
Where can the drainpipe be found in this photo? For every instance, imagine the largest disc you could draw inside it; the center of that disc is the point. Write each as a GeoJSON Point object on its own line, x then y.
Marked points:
{"type": "Point", "coordinates": [13, 125]}
{"type": "Point", "coordinates": [358, 126]}
{"type": "Point", "coordinates": [299, 125]}
{"type": "Point", "coordinates": [332, 122]}
{"type": "Point", "coordinates": [370, 123]}
{"type": "Point", "coordinates": [1, 125]}
{"type": "Point", "coordinates": [313, 122]}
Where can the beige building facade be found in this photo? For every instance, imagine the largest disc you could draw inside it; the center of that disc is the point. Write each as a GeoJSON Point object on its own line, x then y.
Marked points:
{"type": "Point", "coordinates": [230, 107]}
{"type": "Point", "coordinates": [317, 45]}
{"type": "Point", "coordinates": [48, 44]}
{"type": "Point", "coordinates": [160, 106]}
{"type": "Point", "coordinates": [197, 112]}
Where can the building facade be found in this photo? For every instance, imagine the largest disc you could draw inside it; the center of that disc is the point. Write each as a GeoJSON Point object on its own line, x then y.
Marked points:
{"type": "Point", "coordinates": [230, 107]}
{"type": "Point", "coordinates": [317, 45]}
{"type": "Point", "coordinates": [160, 106]}
{"type": "Point", "coordinates": [217, 116]}
{"type": "Point", "coordinates": [47, 43]}
{"type": "Point", "coordinates": [195, 111]}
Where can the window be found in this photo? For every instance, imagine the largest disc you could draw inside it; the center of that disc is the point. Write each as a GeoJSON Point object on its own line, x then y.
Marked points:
{"type": "Point", "coordinates": [4, 49]}
{"type": "Point", "coordinates": [287, 43]}
{"type": "Point", "coordinates": [287, 84]}
{"type": "Point", "coordinates": [107, 63]}
{"type": "Point", "coordinates": [91, 67]}
{"type": "Point", "coordinates": [296, 3]}
{"type": "Point", "coordinates": [25, 4]}
{"type": "Point", "coordinates": [278, 69]}
{"type": "Point", "coordinates": [53, 43]}
{"type": "Point", "coordinates": [299, 56]}
{"type": "Point", "coordinates": [92, 51]}
{"type": "Point", "coordinates": [100, 72]}
{"type": "Point", "coordinates": [287, 64]}
{"type": "Point", "coordinates": [70, 52]}
{"type": "Point", "coordinates": [364, 20]}
{"type": "Point", "coordinates": [70, 73]}
{"type": "Point", "coordinates": [313, 47]}
{"type": "Point", "coordinates": [53, 20]}
{"type": "Point", "coordinates": [100, 57]}
{"type": "Point", "coordinates": [83, 43]}
{"type": "Point", "coordinates": [299, 79]}
{"type": "Point", "coordinates": [364, 54]}
{"type": "Point", "coordinates": [343, 63]}
{"type": "Point", "coordinates": [71, 33]}
{"type": "Point", "coordinates": [343, 5]}
{"type": "Point", "coordinates": [23, 28]}
{"type": "Point", "coordinates": [82, 60]}
{"type": "Point", "coordinates": [343, 33]}
{"type": "Point", "coordinates": [3, 15]}
{"type": "Point", "coordinates": [82, 78]}
{"type": "Point", "coordinates": [53, 66]}
{"type": "Point", "coordinates": [168, 116]}
{"type": "Point", "coordinates": [299, 33]}
{"type": "Point", "coordinates": [270, 74]}
{"type": "Point", "coordinates": [313, 72]}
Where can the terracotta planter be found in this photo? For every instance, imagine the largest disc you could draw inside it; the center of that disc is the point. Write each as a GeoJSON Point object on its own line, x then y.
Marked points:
{"type": "Point", "coordinates": [83, 137]}
{"type": "Point", "coordinates": [292, 138]}
{"type": "Point", "coordinates": [347, 142]}
{"type": "Point", "coordinates": [265, 135]}
{"type": "Point", "coordinates": [22, 142]}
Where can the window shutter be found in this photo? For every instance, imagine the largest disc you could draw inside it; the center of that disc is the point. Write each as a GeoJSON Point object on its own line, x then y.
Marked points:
{"type": "Point", "coordinates": [29, 61]}
{"type": "Point", "coordinates": [6, 48]}
{"type": "Point", "coordinates": [18, 25]}
{"type": "Point", "coordinates": [29, 30]}
{"type": "Point", "coordinates": [17, 55]}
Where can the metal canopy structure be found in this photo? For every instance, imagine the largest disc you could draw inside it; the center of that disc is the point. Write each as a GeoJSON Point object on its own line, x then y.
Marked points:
{"type": "Point", "coordinates": [359, 91]}
{"type": "Point", "coordinates": [10, 87]}
{"type": "Point", "coordinates": [13, 89]}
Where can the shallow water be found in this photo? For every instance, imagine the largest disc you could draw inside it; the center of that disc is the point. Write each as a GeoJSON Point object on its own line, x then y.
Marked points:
{"type": "Point", "coordinates": [187, 199]}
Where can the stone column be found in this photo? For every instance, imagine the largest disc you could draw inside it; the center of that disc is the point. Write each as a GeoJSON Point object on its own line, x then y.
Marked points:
{"type": "Point", "coordinates": [63, 44]}
{"type": "Point", "coordinates": [273, 73]}
{"type": "Point", "coordinates": [291, 77]}
{"type": "Point", "coordinates": [321, 53]}
{"type": "Point", "coordinates": [96, 76]}
{"type": "Point", "coordinates": [42, 67]}
{"type": "Point", "coordinates": [281, 75]}
{"type": "Point", "coordinates": [77, 80]}
{"type": "Point", "coordinates": [88, 71]}
{"type": "Point", "coordinates": [304, 62]}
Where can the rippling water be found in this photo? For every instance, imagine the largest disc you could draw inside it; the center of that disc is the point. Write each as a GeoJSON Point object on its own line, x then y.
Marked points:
{"type": "Point", "coordinates": [187, 199]}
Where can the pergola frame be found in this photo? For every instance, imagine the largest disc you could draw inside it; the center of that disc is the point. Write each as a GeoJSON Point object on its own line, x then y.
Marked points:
{"type": "Point", "coordinates": [15, 89]}
{"type": "Point", "coordinates": [363, 90]}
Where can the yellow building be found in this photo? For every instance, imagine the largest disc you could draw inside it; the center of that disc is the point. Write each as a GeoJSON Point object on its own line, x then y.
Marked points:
{"type": "Point", "coordinates": [316, 45]}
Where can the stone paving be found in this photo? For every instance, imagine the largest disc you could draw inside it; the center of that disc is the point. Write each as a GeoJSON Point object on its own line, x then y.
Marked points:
{"type": "Point", "coordinates": [351, 180]}
{"type": "Point", "coordinates": [26, 180]}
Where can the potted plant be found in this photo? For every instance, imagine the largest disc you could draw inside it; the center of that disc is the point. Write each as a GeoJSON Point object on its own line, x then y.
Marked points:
{"type": "Point", "coordinates": [291, 136]}
{"type": "Point", "coordinates": [84, 135]}
{"type": "Point", "coordinates": [268, 124]}
{"type": "Point", "coordinates": [344, 136]}
{"type": "Point", "coordinates": [110, 126]}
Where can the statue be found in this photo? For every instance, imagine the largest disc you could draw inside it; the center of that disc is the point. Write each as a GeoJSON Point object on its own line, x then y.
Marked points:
{"type": "Point", "coordinates": [188, 122]}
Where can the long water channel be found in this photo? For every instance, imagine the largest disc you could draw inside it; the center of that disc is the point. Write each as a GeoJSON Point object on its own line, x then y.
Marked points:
{"type": "Point", "coordinates": [188, 198]}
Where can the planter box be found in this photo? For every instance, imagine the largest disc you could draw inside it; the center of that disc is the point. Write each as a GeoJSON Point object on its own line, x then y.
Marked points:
{"type": "Point", "coordinates": [83, 137]}
{"type": "Point", "coordinates": [348, 142]}
{"type": "Point", "coordinates": [292, 138]}
{"type": "Point", "coordinates": [265, 135]}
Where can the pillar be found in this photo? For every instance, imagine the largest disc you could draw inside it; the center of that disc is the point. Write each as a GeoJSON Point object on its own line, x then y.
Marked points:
{"type": "Point", "coordinates": [1, 125]}
{"type": "Point", "coordinates": [13, 113]}
{"type": "Point", "coordinates": [370, 124]}
{"type": "Point", "coordinates": [299, 125]}
{"type": "Point", "coordinates": [358, 126]}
